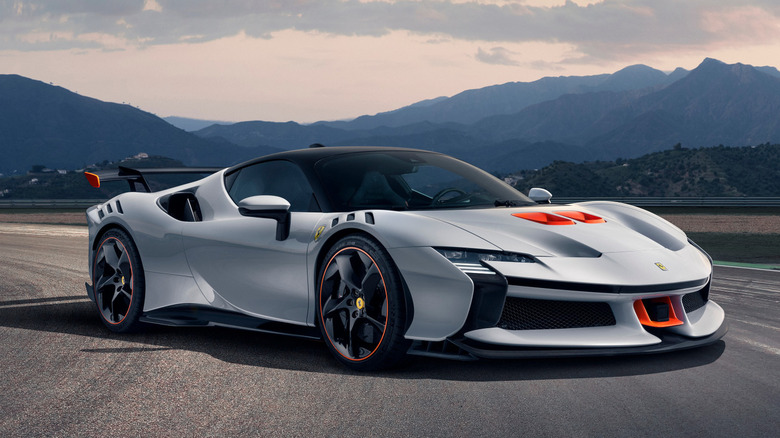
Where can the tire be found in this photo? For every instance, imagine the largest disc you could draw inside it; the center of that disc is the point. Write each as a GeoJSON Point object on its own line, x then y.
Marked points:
{"type": "Point", "coordinates": [118, 281]}
{"type": "Point", "coordinates": [361, 308]}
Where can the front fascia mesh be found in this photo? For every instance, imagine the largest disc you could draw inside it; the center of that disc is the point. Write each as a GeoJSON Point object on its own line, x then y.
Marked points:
{"type": "Point", "coordinates": [533, 314]}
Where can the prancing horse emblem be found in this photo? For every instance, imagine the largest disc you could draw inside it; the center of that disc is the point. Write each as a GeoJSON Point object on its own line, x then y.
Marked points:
{"type": "Point", "coordinates": [661, 266]}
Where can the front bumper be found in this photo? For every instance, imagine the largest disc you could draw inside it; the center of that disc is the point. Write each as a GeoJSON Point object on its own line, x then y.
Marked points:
{"type": "Point", "coordinates": [669, 342]}
{"type": "Point", "coordinates": [538, 321]}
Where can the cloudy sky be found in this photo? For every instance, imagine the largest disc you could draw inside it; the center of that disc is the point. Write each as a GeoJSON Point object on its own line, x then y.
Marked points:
{"type": "Point", "coordinates": [308, 60]}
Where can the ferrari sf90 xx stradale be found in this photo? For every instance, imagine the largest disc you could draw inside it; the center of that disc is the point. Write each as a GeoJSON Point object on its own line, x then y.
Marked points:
{"type": "Point", "coordinates": [384, 252]}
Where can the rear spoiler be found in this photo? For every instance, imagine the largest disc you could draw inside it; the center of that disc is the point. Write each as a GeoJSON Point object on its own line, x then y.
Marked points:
{"type": "Point", "coordinates": [135, 177]}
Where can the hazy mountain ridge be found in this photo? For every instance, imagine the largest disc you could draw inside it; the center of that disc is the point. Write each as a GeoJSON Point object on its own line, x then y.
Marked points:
{"type": "Point", "coordinates": [49, 125]}
{"type": "Point", "coordinates": [626, 114]}
{"type": "Point", "coordinates": [471, 106]}
{"type": "Point", "coordinates": [713, 104]}
{"type": "Point", "coordinates": [190, 125]}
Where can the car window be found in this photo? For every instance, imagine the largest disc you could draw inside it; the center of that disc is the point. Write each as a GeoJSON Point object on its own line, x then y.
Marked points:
{"type": "Point", "coordinates": [406, 180]}
{"type": "Point", "coordinates": [278, 178]}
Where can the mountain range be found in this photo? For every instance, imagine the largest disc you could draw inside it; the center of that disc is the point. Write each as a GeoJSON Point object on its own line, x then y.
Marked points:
{"type": "Point", "coordinates": [503, 128]}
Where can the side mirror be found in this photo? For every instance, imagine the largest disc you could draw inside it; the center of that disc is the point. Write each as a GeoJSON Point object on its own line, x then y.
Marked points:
{"type": "Point", "coordinates": [268, 207]}
{"type": "Point", "coordinates": [540, 196]}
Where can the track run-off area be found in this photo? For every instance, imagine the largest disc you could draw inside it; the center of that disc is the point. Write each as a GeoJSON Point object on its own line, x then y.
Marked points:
{"type": "Point", "coordinates": [63, 374]}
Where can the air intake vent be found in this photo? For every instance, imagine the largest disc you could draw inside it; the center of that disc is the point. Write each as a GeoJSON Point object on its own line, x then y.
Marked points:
{"type": "Point", "coordinates": [694, 301]}
{"type": "Point", "coordinates": [531, 314]}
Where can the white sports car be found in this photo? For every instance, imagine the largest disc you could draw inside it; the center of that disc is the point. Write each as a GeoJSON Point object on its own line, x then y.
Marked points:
{"type": "Point", "coordinates": [383, 252]}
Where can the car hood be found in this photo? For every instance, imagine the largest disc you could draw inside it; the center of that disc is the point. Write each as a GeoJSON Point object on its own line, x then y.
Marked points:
{"type": "Point", "coordinates": [625, 229]}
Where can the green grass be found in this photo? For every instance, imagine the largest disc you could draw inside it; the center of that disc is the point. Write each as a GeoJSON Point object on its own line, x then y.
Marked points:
{"type": "Point", "coordinates": [740, 247]}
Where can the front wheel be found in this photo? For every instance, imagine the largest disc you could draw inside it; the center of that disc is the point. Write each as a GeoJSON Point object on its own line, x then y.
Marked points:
{"type": "Point", "coordinates": [118, 282]}
{"type": "Point", "coordinates": [361, 308]}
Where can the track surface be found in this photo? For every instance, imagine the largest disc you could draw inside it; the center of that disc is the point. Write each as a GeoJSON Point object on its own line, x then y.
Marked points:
{"type": "Point", "coordinates": [63, 374]}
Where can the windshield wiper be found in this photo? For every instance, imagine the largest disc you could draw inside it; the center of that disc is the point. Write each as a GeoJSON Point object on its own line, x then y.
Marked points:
{"type": "Point", "coordinates": [509, 203]}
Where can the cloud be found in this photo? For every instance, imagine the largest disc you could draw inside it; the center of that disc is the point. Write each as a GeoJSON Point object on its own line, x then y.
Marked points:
{"type": "Point", "coordinates": [604, 30]}
{"type": "Point", "coordinates": [496, 55]}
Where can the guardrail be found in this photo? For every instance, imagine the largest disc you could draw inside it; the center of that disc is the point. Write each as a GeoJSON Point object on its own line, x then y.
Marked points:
{"type": "Point", "coordinates": [639, 201]}
{"type": "Point", "coordinates": [703, 201]}
{"type": "Point", "coordinates": [49, 203]}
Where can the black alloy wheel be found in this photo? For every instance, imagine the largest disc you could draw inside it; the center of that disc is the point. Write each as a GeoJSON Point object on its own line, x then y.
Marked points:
{"type": "Point", "coordinates": [118, 282]}
{"type": "Point", "coordinates": [361, 309]}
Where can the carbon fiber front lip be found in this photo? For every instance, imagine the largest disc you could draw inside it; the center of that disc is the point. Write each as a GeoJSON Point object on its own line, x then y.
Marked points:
{"type": "Point", "coordinates": [669, 342]}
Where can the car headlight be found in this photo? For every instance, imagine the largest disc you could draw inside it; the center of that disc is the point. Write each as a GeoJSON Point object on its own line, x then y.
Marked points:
{"type": "Point", "coordinates": [470, 261]}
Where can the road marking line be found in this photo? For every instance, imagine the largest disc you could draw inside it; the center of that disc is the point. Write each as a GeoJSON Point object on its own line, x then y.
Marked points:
{"type": "Point", "coordinates": [44, 230]}
{"type": "Point", "coordinates": [763, 347]}
{"type": "Point", "coordinates": [757, 324]}
{"type": "Point", "coordinates": [42, 303]}
{"type": "Point", "coordinates": [746, 267]}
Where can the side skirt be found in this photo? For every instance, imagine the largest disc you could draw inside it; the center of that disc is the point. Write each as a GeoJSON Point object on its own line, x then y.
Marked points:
{"type": "Point", "coordinates": [202, 316]}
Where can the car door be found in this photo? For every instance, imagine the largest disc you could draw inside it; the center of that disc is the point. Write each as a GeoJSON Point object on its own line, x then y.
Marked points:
{"type": "Point", "coordinates": [237, 260]}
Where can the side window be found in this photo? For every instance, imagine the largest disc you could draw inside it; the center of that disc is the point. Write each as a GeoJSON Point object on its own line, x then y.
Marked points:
{"type": "Point", "coordinates": [279, 178]}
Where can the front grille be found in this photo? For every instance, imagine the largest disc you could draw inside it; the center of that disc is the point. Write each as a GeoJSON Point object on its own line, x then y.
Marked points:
{"type": "Point", "coordinates": [531, 314]}
{"type": "Point", "coordinates": [694, 301]}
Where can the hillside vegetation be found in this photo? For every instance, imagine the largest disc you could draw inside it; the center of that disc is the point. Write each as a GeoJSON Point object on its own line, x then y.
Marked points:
{"type": "Point", "coordinates": [73, 185]}
{"type": "Point", "coordinates": [718, 171]}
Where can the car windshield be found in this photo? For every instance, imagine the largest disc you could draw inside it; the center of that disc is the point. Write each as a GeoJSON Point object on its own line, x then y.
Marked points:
{"type": "Point", "coordinates": [410, 180]}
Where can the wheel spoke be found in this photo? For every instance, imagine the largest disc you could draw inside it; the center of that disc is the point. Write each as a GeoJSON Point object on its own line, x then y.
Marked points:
{"type": "Point", "coordinates": [110, 252]}
{"type": "Point", "coordinates": [376, 324]}
{"type": "Point", "coordinates": [103, 281]}
{"type": "Point", "coordinates": [346, 271]}
{"type": "Point", "coordinates": [117, 292]}
{"type": "Point", "coordinates": [111, 313]}
{"type": "Point", "coordinates": [371, 287]}
{"type": "Point", "coordinates": [124, 263]}
{"type": "Point", "coordinates": [354, 339]}
{"type": "Point", "coordinates": [333, 269]}
{"type": "Point", "coordinates": [334, 305]}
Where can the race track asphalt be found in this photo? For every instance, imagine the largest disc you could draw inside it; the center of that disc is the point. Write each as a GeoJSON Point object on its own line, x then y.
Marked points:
{"type": "Point", "coordinates": [63, 374]}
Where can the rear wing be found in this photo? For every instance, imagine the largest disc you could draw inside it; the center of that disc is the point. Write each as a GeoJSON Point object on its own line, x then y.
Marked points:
{"type": "Point", "coordinates": [135, 177]}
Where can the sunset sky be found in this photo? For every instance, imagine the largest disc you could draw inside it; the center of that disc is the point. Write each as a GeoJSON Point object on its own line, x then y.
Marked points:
{"type": "Point", "coordinates": [309, 60]}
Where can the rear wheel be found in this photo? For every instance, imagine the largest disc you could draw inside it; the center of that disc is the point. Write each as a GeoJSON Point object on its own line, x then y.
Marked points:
{"type": "Point", "coordinates": [361, 309]}
{"type": "Point", "coordinates": [118, 282]}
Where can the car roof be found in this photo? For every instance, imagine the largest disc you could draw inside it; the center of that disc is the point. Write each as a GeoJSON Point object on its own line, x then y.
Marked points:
{"type": "Point", "coordinates": [306, 158]}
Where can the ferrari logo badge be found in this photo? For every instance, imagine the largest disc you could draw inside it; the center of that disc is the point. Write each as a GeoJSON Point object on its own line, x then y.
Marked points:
{"type": "Point", "coordinates": [360, 303]}
{"type": "Point", "coordinates": [123, 279]}
{"type": "Point", "coordinates": [319, 233]}
{"type": "Point", "coordinates": [661, 266]}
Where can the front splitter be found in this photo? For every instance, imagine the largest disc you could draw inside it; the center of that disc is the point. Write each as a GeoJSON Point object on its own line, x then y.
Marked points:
{"type": "Point", "coordinates": [669, 342]}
